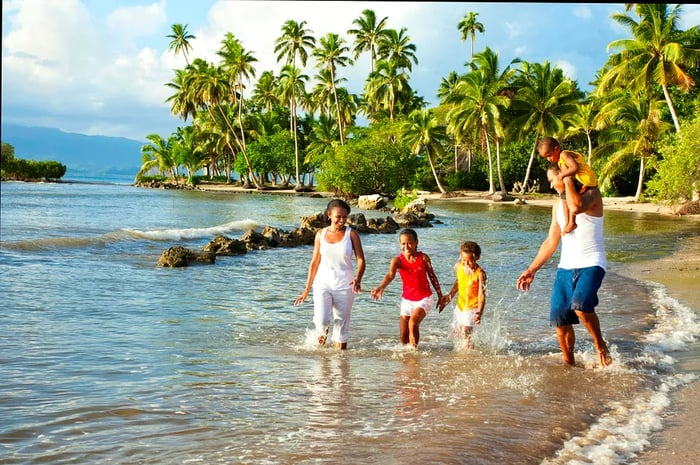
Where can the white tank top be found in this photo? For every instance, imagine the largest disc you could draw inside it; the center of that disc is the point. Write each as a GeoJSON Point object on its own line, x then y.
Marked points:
{"type": "Point", "coordinates": [335, 269]}
{"type": "Point", "coordinates": [584, 246]}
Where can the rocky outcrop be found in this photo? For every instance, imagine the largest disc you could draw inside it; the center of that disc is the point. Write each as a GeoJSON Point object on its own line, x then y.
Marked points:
{"type": "Point", "coordinates": [178, 256]}
{"type": "Point", "coordinates": [689, 208]}
{"type": "Point", "coordinates": [413, 216]}
{"type": "Point", "coordinates": [371, 202]}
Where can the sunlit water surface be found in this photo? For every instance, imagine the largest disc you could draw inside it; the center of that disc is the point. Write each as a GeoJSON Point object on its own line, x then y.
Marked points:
{"type": "Point", "coordinates": [107, 358]}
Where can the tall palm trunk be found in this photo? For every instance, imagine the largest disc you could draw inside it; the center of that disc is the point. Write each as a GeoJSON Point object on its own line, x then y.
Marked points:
{"type": "Point", "coordinates": [435, 175]}
{"type": "Point", "coordinates": [667, 96]}
{"type": "Point", "coordinates": [504, 190]}
{"type": "Point", "coordinates": [523, 188]}
{"type": "Point", "coordinates": [492, 188]}
{"type": "Point", "coordinates": [640, 184]}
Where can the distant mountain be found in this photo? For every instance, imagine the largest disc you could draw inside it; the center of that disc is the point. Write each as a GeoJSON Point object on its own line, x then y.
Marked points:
{"type": "Point", "coordinates": [82, 155]}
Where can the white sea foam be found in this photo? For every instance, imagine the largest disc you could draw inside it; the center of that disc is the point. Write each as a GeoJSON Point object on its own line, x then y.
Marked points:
{"type": "Point", "coordinates": [194, 233]}
{"type": "Point", "coordinates": [622, 432]}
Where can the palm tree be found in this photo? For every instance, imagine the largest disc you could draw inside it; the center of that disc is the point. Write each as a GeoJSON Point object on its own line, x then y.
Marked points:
{"type": "Point", "coordinates": [264, 124]}
{"type": "Point", "coordinates": [585, 121]}
{"type": "Point", "coordinates": [265, 93]}
{"type": "Point", "coordinates": [422, 132]}
{"type": "Point", "coordinates": [331, 54]}
{"type": "Point", "coordinates": [368, 35]}
{"type": "Point", "coordinates": [237, 64]}
{"type": "Point", "coordinates": [292, 87]}
{"type": "Point", "coordinates": [156, 154]}
{"type": "Point", "coordinates": [447, 87]}
{"type": "Point", "coordinates": [656, 55]}
{"type": "Point", "coordinates": [469, 26]}
{"type": "Point", "coordinates": [180, 40]}
{"type": "Point", "coordinates": [348, 105]}
{"type": "Point", "coordinates": [324, 136]}
{"type": "Point", "coordinates": [322, 98]}
{"type": "Point", "coordinates": [384, 87]}
{"type": "Point", "coordinates": [209, 87]}
{"type": "Point", "coordinates": [543, 101]}
{"type": "Point", "coordinates": [478, 100]}
{"type": "Point", "coordinates": [397, 48]}
{"type": "Point", "coordinates": [634, 127]}
{"type": "Point", "coordinates": [181, 104]}
{"type": "Point", "coordinates": [295, 40]}
{"type": "Point", "coordinates": [187, 151]}
{"type": "Point", "coordinates": [471, 114]}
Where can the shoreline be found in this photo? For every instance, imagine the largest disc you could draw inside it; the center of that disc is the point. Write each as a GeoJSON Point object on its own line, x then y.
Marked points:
{"type": "Point", "coordinates": [679, 273]}
{"type": "Point", "coordinates": [542, 200]}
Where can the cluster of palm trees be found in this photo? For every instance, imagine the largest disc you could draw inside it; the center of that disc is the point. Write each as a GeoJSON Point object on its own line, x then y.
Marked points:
{"type": "Point", "coordinates": [480, 111]}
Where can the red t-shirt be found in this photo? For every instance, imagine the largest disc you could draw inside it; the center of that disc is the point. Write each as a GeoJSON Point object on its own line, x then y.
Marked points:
{"type": "Point", "coordinates": [415, 278]}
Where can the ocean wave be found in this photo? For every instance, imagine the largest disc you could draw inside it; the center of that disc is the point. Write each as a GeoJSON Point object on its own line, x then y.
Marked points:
{"type": "Point", "coordinates": [175, 234]}
{"type": "Point", "coordinates": [123, 235]}
{"type": "Point", "coordinates": [625, 429]}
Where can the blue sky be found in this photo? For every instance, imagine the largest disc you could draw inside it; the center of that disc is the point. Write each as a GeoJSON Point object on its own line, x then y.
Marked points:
{"type": "Point", "coordinates": [98, 67]}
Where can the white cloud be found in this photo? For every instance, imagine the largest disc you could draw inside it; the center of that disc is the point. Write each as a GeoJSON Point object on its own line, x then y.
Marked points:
{"type": "Point", "coordinates": [91, 68]}
{"type": "Point", "coordinates": [514, 29]}
{"type": "Point", "coordinates": [583, 12]}
{"type": "Point", "coordinates": [690, 16]}
{"type": "Point", "coordinates": [567, 68]}
{"type": "Point", "coordinates": [137, 21]}
{"type": "Point", "coordinates": [50, 45]}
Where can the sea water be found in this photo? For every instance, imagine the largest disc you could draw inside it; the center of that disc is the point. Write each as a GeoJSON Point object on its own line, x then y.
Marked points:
{"type": "Point", "coordinates": [107, 358]}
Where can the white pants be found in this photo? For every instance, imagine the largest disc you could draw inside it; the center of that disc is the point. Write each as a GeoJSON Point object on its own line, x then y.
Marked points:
{"type": "Point", "coordinates": [333, 305]}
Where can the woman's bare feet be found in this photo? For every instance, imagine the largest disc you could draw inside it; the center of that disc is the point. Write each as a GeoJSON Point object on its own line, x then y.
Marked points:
{"type": "Point", "coordinates": [323, 337]}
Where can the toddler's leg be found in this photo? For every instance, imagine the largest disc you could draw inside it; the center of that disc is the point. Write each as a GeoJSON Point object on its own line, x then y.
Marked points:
{"type": "Point", "coordinates": [570, 205]}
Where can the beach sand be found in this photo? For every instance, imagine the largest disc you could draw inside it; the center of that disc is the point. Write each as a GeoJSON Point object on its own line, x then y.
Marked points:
{"type": "Point", "coordinates": [677, 443]}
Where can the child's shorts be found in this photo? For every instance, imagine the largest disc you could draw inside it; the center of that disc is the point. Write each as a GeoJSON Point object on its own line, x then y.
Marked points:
{"type": "Point", "coordinates": [407, 306]}
{"type": "Point", "coordinates": [465, 317]}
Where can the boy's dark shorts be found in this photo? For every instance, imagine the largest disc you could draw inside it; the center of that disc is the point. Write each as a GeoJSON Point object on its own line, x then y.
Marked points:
{"type": "Point", "coordinates": [574, 290]}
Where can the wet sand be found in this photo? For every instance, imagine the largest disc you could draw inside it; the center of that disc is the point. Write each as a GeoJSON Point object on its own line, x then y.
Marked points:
{"type": "Point", "coordinates": [677, 443]}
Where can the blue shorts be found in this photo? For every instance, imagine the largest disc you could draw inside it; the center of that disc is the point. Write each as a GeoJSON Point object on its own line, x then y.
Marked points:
{"type": "Point", "coordinates": [574, 290]}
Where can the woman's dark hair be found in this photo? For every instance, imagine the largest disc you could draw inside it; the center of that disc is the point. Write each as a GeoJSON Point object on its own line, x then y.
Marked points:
{"type": "Point", "coordinates": [337, 203]}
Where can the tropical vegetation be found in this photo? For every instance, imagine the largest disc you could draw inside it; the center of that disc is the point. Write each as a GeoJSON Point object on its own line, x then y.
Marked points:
{"type": "Point", "coordinates": [19, 169]}
{"type": "Point", "coordinates": [285, 128]}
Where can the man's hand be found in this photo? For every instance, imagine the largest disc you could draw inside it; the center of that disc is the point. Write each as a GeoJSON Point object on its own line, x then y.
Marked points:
{"type": "Point", "coordinates": [525, 280]}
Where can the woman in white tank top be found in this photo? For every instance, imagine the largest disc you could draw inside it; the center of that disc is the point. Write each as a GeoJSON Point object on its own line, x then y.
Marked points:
{"type": "Point", "coordinates": [331, 275]}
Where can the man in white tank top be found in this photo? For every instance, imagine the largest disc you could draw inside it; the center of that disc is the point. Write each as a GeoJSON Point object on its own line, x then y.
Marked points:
{"type": "Point", "coordinates": [579, 274]}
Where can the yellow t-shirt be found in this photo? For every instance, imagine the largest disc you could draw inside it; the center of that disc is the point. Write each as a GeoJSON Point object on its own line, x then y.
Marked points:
{"type": "Point", "coordinates": [584, 174]}
{"type": "Point", "coordinates": [468, 287]}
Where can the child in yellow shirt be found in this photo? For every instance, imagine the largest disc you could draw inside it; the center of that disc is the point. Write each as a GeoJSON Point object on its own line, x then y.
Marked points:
{"type": "Point", "coordinates": [470, 289]}
{"type": "Point", "coordinates": [576, 175]}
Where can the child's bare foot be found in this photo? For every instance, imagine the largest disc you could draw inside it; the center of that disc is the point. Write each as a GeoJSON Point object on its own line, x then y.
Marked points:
{"type": "Point", "coordinates": [568, 228]}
